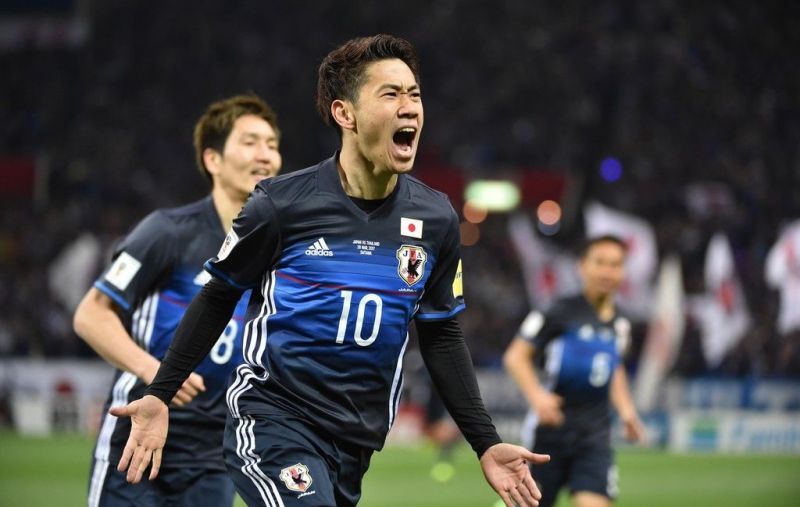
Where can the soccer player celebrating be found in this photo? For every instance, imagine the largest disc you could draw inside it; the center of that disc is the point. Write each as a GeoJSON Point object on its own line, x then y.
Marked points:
{"type": "Point", "coordinates": [582, 340]}
{"type": "Point", "coordinates": [130, 315]}
{"type": "Point", "coordinates": [340, 256]}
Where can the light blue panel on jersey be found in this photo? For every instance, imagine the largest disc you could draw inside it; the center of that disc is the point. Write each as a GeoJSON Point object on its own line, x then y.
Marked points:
{"type": "Point", "coordinates": [588, 358]}
{"type": "Point", "coordinates": [352, 309]}
{"type": "Point", "coordinates": [162, 314]}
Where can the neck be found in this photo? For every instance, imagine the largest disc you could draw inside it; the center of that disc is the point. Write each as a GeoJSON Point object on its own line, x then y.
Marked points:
{"type": "Point", "coordinates": [362, 178]}
{"type": "Point", "coordinates": [227, 207]}
{"type": "Point", "coordinates": [603, 304]}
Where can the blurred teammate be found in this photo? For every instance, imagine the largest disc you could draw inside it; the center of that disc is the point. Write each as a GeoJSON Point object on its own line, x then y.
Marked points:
{"type": "Point", "coordinates": [341, 256]}
{"type": "Point", "coordinates": [130, 315]}
{"type": "Point", "coordinates": [579, 343]}
{"type": "Point", "coordinates": [442, 432]}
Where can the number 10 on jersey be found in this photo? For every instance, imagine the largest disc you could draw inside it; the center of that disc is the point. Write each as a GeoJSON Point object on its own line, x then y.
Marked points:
{"type": "Point", "coordinates": [371, 300]}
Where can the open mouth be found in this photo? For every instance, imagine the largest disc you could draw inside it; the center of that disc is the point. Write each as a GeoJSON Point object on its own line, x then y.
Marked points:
{"type": "Point", "coordinates": [404, 139]}
{"type": "Point", "coordinates": [260, 173]}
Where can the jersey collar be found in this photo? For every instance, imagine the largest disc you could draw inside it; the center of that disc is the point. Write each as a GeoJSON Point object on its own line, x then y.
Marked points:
{"type": "Point", "coordinates": [329, 182]}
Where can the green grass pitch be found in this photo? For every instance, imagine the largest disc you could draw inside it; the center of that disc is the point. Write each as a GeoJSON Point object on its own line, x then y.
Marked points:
{"type": "Point", "coordinates": [54, 470]}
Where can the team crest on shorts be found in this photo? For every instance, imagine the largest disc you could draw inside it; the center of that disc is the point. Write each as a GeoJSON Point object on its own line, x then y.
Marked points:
{"type": "Point", "coordinates": [411, 263]}
{"type": "Point", "coordinates": [296, 477]}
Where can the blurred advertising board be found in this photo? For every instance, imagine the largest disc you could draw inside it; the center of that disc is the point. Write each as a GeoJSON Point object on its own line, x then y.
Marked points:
{"type": "Point", "coordinates": [735, 431]}
{"type": "Point", "coordinates": [41, 396]}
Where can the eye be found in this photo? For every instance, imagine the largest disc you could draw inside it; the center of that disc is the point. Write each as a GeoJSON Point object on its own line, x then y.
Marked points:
{"type": "Point", "coordinates": [390, 94]}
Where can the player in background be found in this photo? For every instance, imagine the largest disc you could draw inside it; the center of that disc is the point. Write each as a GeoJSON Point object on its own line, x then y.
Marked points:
{"type": "Point", "coordinates": [578, 345]}
{"type": "Point", "coordinates": [341, 256]}
{"type": "Point", "coordinates": [437, 426]}
{"type": "Point", "coordinates": [130, 315]}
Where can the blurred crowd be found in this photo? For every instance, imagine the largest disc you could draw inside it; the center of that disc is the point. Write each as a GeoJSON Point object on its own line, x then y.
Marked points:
{"type": "Point", "coordinates": [686, 97]}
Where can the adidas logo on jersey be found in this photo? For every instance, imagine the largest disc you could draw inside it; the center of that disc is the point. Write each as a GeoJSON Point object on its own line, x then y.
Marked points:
{"type": "Point", "coordinates": [319, 248]}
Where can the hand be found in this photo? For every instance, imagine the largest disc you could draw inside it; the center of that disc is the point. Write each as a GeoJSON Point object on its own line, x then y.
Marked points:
{"type": "Point", "coordinates": [634, 429]}
{"type": "Point", "coordinates": [505, 467]}
{"type": "Point", "coordinates": [191, 387]}
{"type": "Point", "coordinates": [548, 409]}
{"type": "Point", "coordinates": [149, 424]}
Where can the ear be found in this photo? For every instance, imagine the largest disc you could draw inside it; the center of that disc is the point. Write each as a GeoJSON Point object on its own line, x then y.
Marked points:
{"type": "Point", "coordinates": [342, 112]}
{"type": "Point", "coordinates": [212, 159]}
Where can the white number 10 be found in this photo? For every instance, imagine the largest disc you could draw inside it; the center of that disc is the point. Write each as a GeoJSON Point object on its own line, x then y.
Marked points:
{"type": "Point", "coordinates": [347, 295]}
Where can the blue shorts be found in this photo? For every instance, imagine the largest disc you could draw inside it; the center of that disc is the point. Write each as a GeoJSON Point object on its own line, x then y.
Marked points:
{"type": "Point", "coordinates": [179, 487]}
{"type": "Point", "coordinates": [280, 460]}
{"type": "Point", "coordinates": [582, 463]}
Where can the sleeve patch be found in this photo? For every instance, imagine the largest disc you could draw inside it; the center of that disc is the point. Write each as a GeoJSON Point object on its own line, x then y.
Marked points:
{"type": "Point", "coordinates": [531, 325]}
{"type": "Point", "coordinates": [458, 285]}
{"type": "Point", "coordinates": [122, 271]}
{"type": "Point", "coordinates": [230, 241]}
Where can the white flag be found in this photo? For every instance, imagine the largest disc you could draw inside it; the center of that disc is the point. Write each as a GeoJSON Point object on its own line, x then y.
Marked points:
{"type": "Point", "coordinates": [664, 334]}
{"type": "Point", "coordinates": [635, 292]}
{"type": "Point", "coordinates": [782, 271]}
{"type": "Point", "coordinates": [549, 272]}
{"type": "Point", "coordinates": [70, 274]}
{"type": "Point", "coordinates": [722, 312]}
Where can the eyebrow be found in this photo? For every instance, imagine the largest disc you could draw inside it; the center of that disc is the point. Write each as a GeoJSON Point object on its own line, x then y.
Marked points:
{"type": "Point", "coordinates": [258, 136]}
{"type": "Point", "coordinates": [394, 86]}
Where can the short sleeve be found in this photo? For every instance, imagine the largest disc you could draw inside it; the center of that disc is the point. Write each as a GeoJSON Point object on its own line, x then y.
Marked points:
{"type": "Point", "coordinates": [252, 245]}
{"type": "Point", "coordinates": [139, 261]}
{"type": "Point", "coordinates": [539, 328]}
{"type": "Point", "coordinates": [444, 294]}
{"type": "Point", "coordinates": [622, 328]}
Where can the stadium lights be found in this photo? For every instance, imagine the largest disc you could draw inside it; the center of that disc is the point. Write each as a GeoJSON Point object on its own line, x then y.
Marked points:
{"type": "Point", "coordinates": [548, 214]}
{"type": "Point", "coordinates": [492, 195]}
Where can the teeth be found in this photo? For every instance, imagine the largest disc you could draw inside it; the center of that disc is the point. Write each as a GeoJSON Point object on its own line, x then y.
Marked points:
{"type": "Point", "coordinates": [409, 130]}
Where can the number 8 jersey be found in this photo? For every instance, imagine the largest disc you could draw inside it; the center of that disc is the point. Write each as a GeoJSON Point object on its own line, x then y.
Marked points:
{"type": "Point", "coordinates": [334, 290]}
{"type": "Point", "coordinates": [156, 272]}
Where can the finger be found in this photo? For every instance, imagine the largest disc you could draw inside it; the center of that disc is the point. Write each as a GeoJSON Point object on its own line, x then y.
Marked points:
{"type": "Point", "coordinates": [559, 400]}
{"type": "Point", "coordinates": [188, 389]}
{"type": "Point", "coordinates": [146, 458]}
{"type": "Point", "coordinates": [127, 453]}
{"type": "Point", "coordinates": [156, 464]}
{"type": "Point", "coordinates": [532, 457]}
{"type": "Point", "coordinates": [197, 382]}
{"type": "Point", "coordinates": [517, 497]}
{"type": "Point", "coordinates": [133, 466]}
{"type": "Point", "coordinates": [181, 398]}
{"type": "Point", "coordinates": [506, 498]}
{"type": "Point", "coordinates": [134, 475]}
{"type": "Point", "coordinates": [529, 485]}
{"type": "Point", "coordinates": [121, 411]}
{"type": "Point", "coordinates": [554, 418]}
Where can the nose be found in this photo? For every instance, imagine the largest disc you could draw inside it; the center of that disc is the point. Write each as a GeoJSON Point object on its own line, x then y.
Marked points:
{"type": "Point", "coordinates": [263, 153]}
{"type": "Point", "coordinates": [408, 108]}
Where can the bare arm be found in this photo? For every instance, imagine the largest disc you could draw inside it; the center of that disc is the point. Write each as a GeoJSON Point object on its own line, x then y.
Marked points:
{"type": "Point", "coordinates": [623, 401]}
{"type": "Point", "coordinates": [518, 361]}
{"type": "Point", "coordinates": [98, 324]}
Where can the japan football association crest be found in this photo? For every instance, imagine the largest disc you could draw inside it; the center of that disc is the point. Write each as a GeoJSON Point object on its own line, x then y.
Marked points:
{"type": "Point", "coordinates": [411, 263]}
{"type": "Point", "coordinates": [296, 477]}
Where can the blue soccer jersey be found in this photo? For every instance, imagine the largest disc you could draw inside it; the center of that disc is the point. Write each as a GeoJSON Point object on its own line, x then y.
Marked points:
{"type": "Point", "coordinates": [334, 290]}
{"type": "Point", "coordinates": [579, 354]}
{"type": "Point", "coordinates": [156, 271]}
